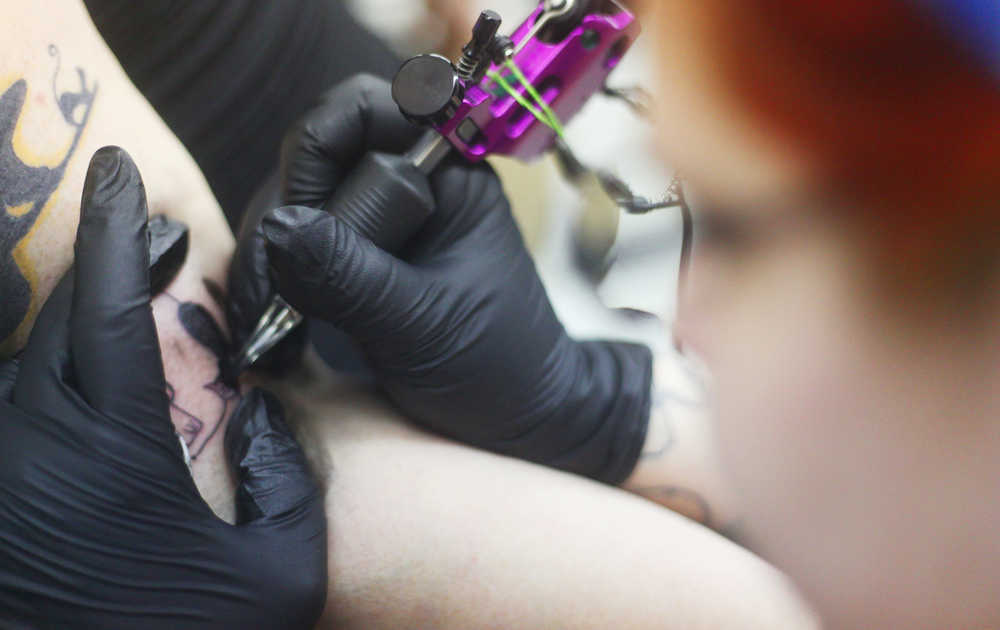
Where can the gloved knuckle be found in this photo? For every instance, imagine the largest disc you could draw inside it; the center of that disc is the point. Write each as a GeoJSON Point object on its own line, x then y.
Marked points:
{"type": "Point", "coordinates": [308, 137]}
{"type": "Point", "coordinates": [341, 251]}
{"type": "Point", "coordinates": [363, 83]}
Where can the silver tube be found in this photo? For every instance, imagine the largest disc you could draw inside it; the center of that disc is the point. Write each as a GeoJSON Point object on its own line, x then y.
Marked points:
{"type": "Point", "coordinates": [429, 151]}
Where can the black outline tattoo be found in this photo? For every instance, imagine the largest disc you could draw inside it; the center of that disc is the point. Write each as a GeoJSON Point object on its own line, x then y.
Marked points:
{"type": "Point", "coordinates": [200, 326]}
{"type": "Point", "coordinates": [22, 185]}
{"type": "Point", "coordinates": [674, 497]}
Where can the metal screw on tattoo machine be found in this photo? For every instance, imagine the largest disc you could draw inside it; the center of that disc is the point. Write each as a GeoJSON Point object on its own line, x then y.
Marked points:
{"type": "Point", "coordinates": [506, 96]}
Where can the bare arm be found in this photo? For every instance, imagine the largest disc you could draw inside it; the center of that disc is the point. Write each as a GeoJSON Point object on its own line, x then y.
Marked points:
{"type": "Point", "coordinates": [431, 534]}
{"type": "Point", "coordinates": [679, 467]}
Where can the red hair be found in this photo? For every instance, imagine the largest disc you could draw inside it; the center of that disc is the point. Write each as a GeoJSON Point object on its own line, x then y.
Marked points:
{"type": "Point", "coordinates": [887, 101]}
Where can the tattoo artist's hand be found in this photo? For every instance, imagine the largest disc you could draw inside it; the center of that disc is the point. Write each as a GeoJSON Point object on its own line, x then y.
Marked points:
{"type": "Point", "coordinates": [101, 525]}
{"type": "Point", "coordinates": [457, 326]}
{"type": "Point", "coordinates": [309, 173]}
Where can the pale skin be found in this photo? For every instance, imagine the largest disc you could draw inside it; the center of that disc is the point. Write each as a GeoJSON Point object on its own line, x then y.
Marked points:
{"type": "Point", "coordinates": [425, 529]}
{"type": "Point", "coordinates": [420, 529]}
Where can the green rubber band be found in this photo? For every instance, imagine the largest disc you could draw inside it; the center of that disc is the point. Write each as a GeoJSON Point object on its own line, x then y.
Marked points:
{"type": "Point", "coordinates": [553, 119]}
{"type": "Point", "coordinates": [519, 98]}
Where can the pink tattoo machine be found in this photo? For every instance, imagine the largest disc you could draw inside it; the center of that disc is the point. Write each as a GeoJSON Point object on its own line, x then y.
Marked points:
{"type": "Point", "coordinates": [506, 96]}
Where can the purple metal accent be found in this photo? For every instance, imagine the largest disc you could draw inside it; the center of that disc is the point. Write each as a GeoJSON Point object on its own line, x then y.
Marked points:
{"type": "Point", "coordinates": [565, 74]}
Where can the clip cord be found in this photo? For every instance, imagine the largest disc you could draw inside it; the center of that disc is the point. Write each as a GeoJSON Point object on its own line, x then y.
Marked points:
{"type": "Point", "coordinates": [618, 190]}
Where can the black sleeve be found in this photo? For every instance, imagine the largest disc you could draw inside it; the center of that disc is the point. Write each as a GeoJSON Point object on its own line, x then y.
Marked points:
{"type": "Point", "coordinates": [230, 76]}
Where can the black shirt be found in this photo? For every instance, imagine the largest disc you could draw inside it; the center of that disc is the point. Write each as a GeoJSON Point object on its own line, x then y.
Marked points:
{"type": "Point", "coordinates": [231, 76]}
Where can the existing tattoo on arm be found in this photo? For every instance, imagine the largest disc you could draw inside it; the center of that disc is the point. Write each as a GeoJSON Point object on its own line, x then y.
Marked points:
{"type": "Point", "coordinates": [662, 440]}
{"type": "Point", "coordinates": [195, 427]}
{"type": "Point", "coordinates": [26, 190]}
{"type": "Point", "coordinates": [678, 467]}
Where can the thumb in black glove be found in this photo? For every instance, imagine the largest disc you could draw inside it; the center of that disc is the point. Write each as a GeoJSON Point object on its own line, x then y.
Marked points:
{"type": "Point", "coordinates": [101, 524]}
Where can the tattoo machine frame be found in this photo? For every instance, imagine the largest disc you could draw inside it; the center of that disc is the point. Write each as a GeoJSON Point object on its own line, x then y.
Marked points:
{"type": "Point", "coordinates": [560, 56]}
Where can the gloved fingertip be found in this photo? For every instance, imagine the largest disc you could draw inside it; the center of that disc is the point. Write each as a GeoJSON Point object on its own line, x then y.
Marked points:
{"type": "Point", "coordinates": [113, 211]}
{"type": "Point", "coordinates": [299, 242]}
{"type": "Point", "coordinates": [279, 227]}
{"type": "Point", "coordinates": [276, 232]}
{"type": "Point", "coordinates": [251, 418]}
{"type": "Point", "coordinates": [104, 164]}
{"type": "Point", "coordinates": [111, 172]}
{"type": "Point", "coordinates": [270, 467]}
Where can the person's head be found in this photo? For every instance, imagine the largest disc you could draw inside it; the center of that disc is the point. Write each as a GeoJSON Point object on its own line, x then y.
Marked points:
{"type": "Point", "coordinates": [843, 160]}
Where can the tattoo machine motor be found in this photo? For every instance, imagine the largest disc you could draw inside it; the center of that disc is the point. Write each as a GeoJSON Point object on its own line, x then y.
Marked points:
{"type": "Point", "coordinates": [506, 96]}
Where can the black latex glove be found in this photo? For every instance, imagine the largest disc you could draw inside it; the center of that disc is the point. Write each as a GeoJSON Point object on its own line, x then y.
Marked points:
{"type": "Point", "coordinates": [101, 525]}
{"type": "Point", "coordinates": [458, 328]}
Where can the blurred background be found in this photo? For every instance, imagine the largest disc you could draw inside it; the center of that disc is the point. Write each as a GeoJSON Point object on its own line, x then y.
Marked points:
{"type": "Point", "coordinates": [608, 135]}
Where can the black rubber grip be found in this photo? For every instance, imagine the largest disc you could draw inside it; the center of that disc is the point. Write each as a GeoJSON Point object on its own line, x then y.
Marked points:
{"type": "Point", "coordinates": [385, 199]}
